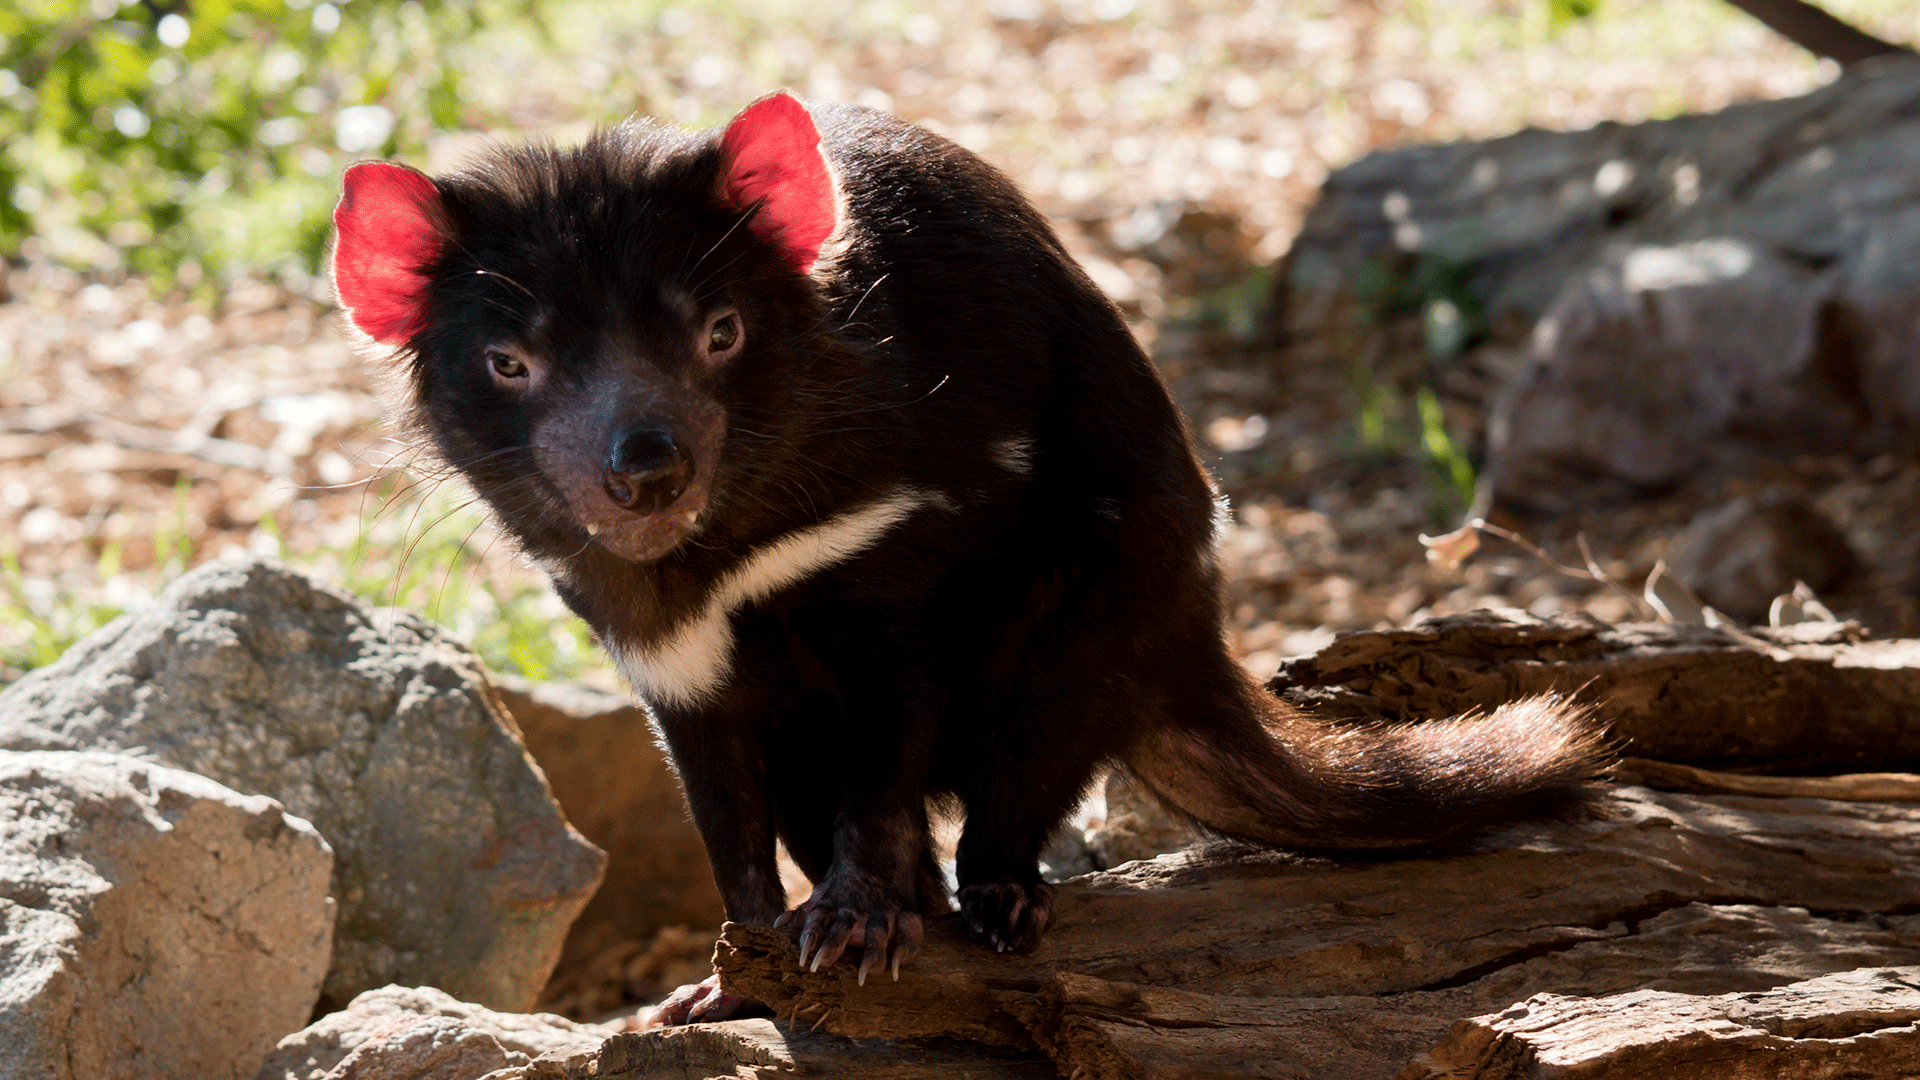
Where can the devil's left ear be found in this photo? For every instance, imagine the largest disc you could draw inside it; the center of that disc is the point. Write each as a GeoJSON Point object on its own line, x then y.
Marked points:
{"type": "Point", "coordinates": [772, 157]}
{"type": "Point", "coordinates": [385, 232]}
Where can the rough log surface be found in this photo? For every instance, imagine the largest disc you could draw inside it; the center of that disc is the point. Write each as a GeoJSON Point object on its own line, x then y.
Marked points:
{"type": "Point", "coordinates": [763, 1050]}
{"type": "Point", "coordinates": [1808, 698]}
{"type": "Point", "coordinates": [1855, 1024]}
{"type": "Point", "coordinates": [1220, 962]}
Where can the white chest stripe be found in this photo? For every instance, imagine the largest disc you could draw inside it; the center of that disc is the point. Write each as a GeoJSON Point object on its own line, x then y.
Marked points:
{"type": "Point", "coordinates": [695, 660]}
{"type": "Point", "coordinates": [1015, 454]}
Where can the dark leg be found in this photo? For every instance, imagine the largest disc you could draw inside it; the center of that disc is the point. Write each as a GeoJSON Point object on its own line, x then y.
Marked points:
{"type": "Point", "coordinates": [808, 785]}
{"type": "Point", "coordinates": [856, 820]}
{"type": "Point", "coordinates": [1013, 807]}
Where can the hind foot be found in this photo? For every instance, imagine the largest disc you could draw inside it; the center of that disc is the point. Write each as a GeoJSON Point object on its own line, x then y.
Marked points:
{"type": "Point", "coordinates": [703, 1002]}
{"type": "Point", "coordinates": [1006, 916]}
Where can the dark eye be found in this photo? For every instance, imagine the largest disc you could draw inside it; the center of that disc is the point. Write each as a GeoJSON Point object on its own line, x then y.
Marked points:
{"type": "Point", "coordinates": [506, 365]}
{"type": "Point", "coordinates": [724, 333]}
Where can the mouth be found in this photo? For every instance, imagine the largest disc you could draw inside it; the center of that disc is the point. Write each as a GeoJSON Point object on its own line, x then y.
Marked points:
{"type": "Point", "coordinates": [641, 538]}
{"type": "Point", "coordinates": [636, 489]}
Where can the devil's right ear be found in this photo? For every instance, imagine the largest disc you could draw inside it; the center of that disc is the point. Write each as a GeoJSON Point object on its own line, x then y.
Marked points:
{"type": "Point", "coordinates": [385, 232]}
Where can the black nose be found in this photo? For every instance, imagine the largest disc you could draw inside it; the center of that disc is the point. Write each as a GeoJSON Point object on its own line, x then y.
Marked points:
{"type": "Point", "coordinates": [646, 470]}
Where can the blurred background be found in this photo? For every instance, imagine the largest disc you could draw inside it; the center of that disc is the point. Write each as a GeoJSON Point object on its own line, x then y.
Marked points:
{"type": "Point", "coordinates": [176, 386]}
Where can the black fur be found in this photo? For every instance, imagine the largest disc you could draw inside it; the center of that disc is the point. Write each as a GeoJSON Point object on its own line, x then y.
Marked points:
{"type": "Point", "coordinates": [1052, 604]}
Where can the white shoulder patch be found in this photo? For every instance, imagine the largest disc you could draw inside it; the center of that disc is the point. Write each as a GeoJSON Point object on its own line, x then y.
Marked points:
{"type": "Point", "coordinates": [1211, 555]}
{"type": "Point", "coordinates": [693, 663]}
{"type": "Point", "coordinates": [1222, 516]}
{"type": "Point", "coordinates": [1014, 454]}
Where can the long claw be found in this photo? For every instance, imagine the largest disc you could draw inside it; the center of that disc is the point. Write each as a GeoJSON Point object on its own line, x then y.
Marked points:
{"type": "Point", "coordinates": [806, 944]}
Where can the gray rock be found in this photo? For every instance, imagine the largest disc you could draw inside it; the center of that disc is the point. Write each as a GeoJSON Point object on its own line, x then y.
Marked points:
{"type": "Point", "coordinates": [153, 924]}
{"type": "Point", "coordinates": [1741, 555]}
{"type": "Point", "coordinates": [1664, 363]}
{"type": "Point", "coordinates": [415, 1032]}
{"type": "Point", "coordinates": [454, 866]}
{"type": "Point", "coordinates": [1692, 294]}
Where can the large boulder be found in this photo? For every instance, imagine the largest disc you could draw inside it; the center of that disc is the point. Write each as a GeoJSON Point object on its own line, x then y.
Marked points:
{"type": "Point", "coordinates": [454, 866]}
{"type": "Point", "coordinates": [1666, 362]}
{"type": "Point", "coordinates": [154, 925]}
{"type": "Point", "coordinates": [1741, 555]}
{"type": "Point", "coordinates": [1679, 298]}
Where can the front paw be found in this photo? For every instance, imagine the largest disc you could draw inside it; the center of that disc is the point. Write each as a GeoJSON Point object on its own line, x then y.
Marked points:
{"type": "Point", "coordinates": [1006, 916]}
{"type": "Point", "coordinates": [887, 932]}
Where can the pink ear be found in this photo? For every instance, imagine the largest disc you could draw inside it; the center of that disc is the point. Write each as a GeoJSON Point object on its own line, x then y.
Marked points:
{"type": "Point", "coordinates": [384, 233]}
{"type": "Point", "coordinates": [772, 153]}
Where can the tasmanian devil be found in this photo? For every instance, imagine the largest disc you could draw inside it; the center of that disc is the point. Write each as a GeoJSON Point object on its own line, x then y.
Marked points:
{"type": "Point", "coordinates": [873, 498]}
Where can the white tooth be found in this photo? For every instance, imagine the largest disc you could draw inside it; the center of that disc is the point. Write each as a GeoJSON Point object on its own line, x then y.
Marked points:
{"type": "Point", "coordinates": [593, 528]}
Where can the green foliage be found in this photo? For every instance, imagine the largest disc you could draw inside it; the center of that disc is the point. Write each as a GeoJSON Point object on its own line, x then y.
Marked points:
{"type": "Point", "coordinates": [1563, 13]}
{"type": "Point", "coordinates": [1436, 290]}
{"type": "Point", "coordinates": [184, 140]}
{"type": "Point", "coordinates": [426, 555]}
{"type": "Point", "coordinates": [1402, 415]}
{"type": "Point", "coordinates": [1388, 428]}
{"type": "Point", "coordinates": [39, 628]}
{"type": "Point", "coordinates": [44, 631]}
{"type": "Point", "coordinates": [1237, 306]}
{"type": "Point", "coordinates": [1444, 455]}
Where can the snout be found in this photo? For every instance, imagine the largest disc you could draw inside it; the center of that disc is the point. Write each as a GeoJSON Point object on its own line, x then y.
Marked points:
{"type": "Point", "coordinates": [646, 470]}
{"type": "Point", "coordinates": [638, 484]}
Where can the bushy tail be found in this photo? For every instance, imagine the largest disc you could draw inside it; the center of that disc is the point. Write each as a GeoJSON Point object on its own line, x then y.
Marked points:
{"type": "Point", "coordinates": [1268, 772]}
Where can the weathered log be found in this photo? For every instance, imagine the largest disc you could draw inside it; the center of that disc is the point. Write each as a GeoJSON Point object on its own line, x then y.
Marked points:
{"type": "Point", "coordinates": [761, 1050]}
{"type": "Point", "coordinates": [1850, 787]}
{"type": "Point", "coordinates": [1809, 698]}
{"type": "Point", "coordinates": [1859, 1023]}
{"type": "Point", "coordinates": [1220, 962]}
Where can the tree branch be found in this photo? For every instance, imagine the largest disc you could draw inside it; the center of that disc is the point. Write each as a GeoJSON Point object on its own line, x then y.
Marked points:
{"type": "Point", "coordinates": [1814, 30]}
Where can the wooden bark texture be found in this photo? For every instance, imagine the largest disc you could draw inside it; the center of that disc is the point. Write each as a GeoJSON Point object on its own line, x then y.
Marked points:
{"type": "Point", "coordinates": [1802, 699]}
{"type": "Point", "coordinates": [762, 1050]}
{"type": "Point", "coordinates": [1854, 1024]}
{"type": "Point", "coordinates": [1225, 962]}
